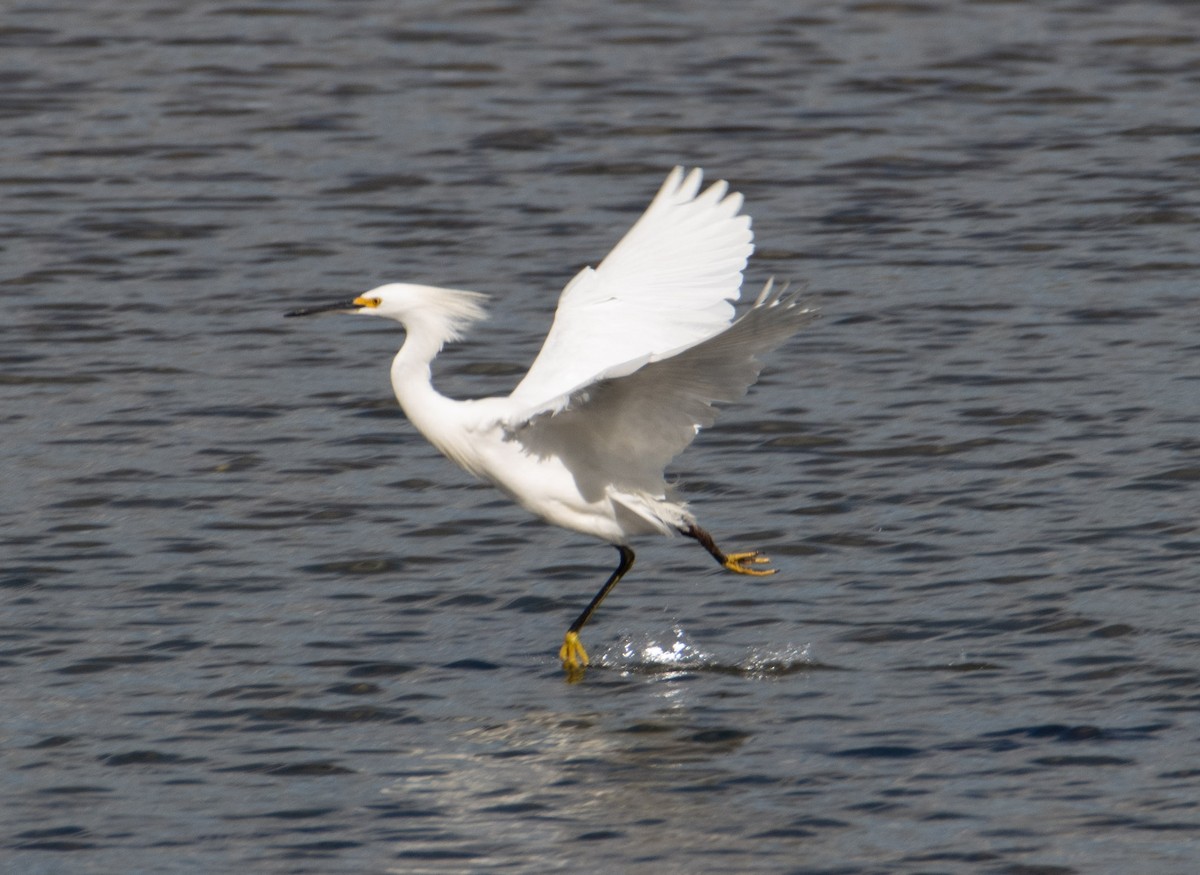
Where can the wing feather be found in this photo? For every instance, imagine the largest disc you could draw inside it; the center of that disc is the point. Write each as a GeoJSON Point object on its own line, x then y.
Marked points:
{"type": "Point", "coordinates": [624, 428]}
{"type": "Point", "coordinates": [667, 284]}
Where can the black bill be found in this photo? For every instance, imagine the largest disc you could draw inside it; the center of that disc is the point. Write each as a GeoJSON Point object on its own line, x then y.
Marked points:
{"type": "Point", "coordinates": [341, 307]}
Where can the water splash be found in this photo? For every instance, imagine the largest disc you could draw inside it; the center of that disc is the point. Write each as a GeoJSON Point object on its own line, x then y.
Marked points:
{"type": "Point", "coordinates": [649, 652]}
{"type": "Point", "coordinates": [677, 655]}
{"type": "Point", "coordinates": [792, 658]}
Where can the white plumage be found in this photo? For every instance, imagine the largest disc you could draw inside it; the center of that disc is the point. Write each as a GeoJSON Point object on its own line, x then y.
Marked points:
{"type": "Point", "coordinates": [640, 349]}
{"type": "Point", "coordinates": [667, 284]}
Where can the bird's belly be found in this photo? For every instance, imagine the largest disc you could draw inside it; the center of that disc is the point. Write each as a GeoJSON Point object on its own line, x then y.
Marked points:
{"type": "Point", "coordinates": [546, 488]}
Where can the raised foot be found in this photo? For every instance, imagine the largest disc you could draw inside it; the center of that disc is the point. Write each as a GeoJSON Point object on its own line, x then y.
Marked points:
{"type": "Point", "coordinates": [742, 562]}
{"type": "Point", "coordinates": [574, 657]}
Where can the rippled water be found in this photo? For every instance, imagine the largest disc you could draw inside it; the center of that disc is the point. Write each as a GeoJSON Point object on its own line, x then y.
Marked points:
{"type": "Point", "coordinates": [252, 622]}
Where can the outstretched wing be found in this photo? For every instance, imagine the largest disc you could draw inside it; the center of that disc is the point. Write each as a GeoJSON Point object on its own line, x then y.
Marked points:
{"type": "Point", "coordinates": [623, 429]}
{"type": "Point", "coordinates": [668, 284]}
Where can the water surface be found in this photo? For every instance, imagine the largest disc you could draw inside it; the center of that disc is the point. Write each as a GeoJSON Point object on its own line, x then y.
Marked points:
{"type": "Point", "coordinates": [252, 622]}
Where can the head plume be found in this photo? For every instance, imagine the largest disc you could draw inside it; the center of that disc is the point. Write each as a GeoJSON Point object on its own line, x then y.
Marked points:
{"type": "Point", "coordinates": [433, 311]}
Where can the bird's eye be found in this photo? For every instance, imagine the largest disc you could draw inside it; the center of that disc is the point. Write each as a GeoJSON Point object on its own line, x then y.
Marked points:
{"type": "Point", "coordinates": [374, 302]}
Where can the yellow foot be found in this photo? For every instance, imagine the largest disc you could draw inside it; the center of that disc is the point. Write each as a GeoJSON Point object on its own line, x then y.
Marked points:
{"type": "Point", "coordinates": [741, 562]}
{"type": "Point", "coordinates": [574, 657]}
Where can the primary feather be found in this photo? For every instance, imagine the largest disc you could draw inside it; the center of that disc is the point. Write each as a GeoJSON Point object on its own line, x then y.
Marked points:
{"type": "Point", "coordinates": [668, 283]}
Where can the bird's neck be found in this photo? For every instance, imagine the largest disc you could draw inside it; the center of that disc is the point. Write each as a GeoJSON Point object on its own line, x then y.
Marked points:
{"type": "Point", "coordinates": [432, 413]}
{"type": "Point", "coordinates": [411, 376]}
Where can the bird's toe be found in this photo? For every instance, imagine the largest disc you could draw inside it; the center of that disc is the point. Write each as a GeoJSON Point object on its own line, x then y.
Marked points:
{"type": "Point", "coordinates": [573, 655]}
{"type": "Point", "coordinates": [742, 563]}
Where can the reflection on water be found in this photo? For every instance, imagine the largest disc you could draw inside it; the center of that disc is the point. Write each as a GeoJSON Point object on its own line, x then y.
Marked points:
{"type": "Point", "coordinates": [252, 622]}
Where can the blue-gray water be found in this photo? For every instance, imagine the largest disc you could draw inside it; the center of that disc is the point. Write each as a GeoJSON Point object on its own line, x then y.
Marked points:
{"type": "Point", "coordinates": [253, 623]}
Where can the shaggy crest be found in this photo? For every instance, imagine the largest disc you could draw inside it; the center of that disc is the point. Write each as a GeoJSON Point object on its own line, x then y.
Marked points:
{"type": "Point", "coordinates": [440, 314]}
{"type": "Point", "coordinates": [456, 308]}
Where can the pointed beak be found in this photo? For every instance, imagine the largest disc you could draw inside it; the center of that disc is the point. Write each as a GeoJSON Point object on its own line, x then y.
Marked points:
{"type": "Point", "coordinates": [340, 307]}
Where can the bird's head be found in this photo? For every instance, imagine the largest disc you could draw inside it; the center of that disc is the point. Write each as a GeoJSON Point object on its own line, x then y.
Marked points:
{"type": "Point", "coordinates": [392, 300]}
{"type": "Point", "coordinates": [442, 312]}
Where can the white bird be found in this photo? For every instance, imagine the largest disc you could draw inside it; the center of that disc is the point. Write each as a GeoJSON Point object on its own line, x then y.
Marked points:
{"type": "Point", "coordinates": [639, 350]}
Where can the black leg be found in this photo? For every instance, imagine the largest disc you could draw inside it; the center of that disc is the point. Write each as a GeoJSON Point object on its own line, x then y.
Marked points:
{"type": "Point", "coordinates": [573, 655]}
{"type": "Point", "coordinates": [706, 541]}
{"type": "Point", "coordinates": [625, 564]}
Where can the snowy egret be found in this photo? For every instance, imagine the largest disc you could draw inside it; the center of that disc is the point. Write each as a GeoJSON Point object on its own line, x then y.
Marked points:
{"type": "Point", "coordinates": [639, 350]}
